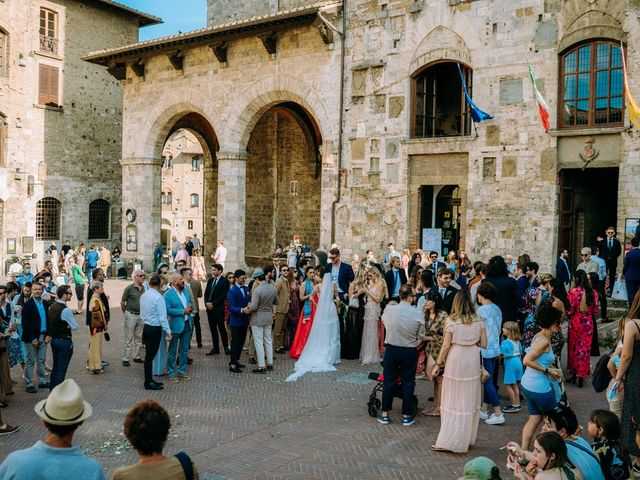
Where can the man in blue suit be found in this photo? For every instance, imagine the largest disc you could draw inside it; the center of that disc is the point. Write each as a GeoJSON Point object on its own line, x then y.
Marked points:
{"type": "Point", "coordinates": [341, 276]}
{"type": "Point", "coordinates": [631, 270]}
{"type": "Point", "coordinates": [563, 267]}
{"type": "Point", "coordinates": [179, 308]}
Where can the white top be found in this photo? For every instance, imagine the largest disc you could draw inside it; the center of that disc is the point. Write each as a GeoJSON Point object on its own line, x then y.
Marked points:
{"type": "Point", "coordinates": [221, 254]}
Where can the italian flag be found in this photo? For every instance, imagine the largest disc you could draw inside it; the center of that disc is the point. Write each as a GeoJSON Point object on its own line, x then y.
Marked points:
{"type": "Point", "coordinates": [543, 108]}
{"type": "Point", "coordinates": [632, 107]}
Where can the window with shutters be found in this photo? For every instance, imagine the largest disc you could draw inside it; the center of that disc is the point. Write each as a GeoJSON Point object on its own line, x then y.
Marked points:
{"type": "Point", "coordinates": [48, 85]}
{"type": "Point", "coordinates": [99, 219]}
{"type": "Point", "coordinates": [48, 31]}
{"type": "Point", "coordinates": [4, 53]}
{"type": "Point", "coordinates": [48, 219]}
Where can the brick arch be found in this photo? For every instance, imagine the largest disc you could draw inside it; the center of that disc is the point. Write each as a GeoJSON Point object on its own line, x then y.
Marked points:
{"type": "Point", "coordinates": [152, 127]}
{"type": "Point", "coordinates": [589, 25]}
{"type": "Point", "coordinates": [242, 116]}
{"type": "Point", "coordinates": [441, 43]}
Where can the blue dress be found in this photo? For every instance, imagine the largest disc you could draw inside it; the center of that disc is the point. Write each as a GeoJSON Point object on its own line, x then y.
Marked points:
{"type": "Point", "coordinates": [160, 360]}
{"type": "Point", "coordinates": [512, 362]}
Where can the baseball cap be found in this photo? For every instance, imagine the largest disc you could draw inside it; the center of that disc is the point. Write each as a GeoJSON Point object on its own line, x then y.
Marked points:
{"type": "Point", "coordinates": [258, 272]}
{"type": "Point", "coordinates": [478, 468]}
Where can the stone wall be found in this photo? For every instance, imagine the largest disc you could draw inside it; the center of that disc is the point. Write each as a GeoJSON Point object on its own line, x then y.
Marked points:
{"type": "Point", "coordinates": [71, 153]}
{"type": "Point", "coordinates": [223, 11]}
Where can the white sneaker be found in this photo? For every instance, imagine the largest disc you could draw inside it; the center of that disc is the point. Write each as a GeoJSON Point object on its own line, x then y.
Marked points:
{"type": "Point", "coordinates": [495, 419]}
{"type": "Point", "coordinates": [484, 415]}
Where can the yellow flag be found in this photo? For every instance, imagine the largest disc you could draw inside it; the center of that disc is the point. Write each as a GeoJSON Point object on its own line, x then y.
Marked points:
{"type": "Point", "coordinates": [632, 107]}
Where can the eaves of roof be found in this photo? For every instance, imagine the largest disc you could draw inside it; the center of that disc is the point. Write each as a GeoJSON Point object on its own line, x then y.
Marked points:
{"type": "Point", "coordinates": [145, 19]}
{"type": "Point", "coordinates": [210, 35]}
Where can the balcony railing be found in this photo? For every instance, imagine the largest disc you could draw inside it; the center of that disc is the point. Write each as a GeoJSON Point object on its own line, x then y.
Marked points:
{"type": "Point", "coordinates": [48, 44]}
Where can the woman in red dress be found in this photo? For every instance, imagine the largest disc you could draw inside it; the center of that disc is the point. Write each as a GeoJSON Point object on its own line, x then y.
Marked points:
{"type": "Point", "coordinates": [583, 301]}
{"type": "Point", "coordinates": [309, 300]}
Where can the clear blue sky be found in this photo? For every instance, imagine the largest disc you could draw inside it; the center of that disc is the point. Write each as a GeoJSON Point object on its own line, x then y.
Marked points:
{"type": "Point", "coordinates": [178, 15]}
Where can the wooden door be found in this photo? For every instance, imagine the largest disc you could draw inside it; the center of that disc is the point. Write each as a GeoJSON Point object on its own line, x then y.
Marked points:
{"type": "Point", "coordinates": [566, 225]}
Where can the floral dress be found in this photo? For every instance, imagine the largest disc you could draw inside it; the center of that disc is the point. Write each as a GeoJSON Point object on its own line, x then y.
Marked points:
{"type": "Point", "coordinates": [531, 305]}
{"type": "Point", "coordinates": [580, 333]}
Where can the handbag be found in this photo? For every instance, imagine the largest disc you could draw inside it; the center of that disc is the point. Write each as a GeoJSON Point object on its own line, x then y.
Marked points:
{"type": "Point", "coordinates": [484, 375]}
{"type": "Point", "coordinates": [601, 374]}
{"type": "Point", "coordinates": [96, 320]}
{"type": "Point", "coordinates": [431, 364]}
{"type": "Point", "coordinates": [353, 302]}
{"type": "Point", "coordinates": [619, 291]}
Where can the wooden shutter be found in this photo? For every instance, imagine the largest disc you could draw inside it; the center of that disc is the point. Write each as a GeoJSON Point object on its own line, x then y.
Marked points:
{"type": "Point", "coordinates": [48, 85]}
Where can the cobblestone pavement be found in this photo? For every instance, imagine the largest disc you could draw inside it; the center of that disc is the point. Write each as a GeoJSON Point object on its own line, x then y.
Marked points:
{"type": "Point", "coordinates": [253, 426]}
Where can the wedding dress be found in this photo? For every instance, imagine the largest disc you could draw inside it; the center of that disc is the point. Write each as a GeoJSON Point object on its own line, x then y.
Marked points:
{"type": "Point", "coordinates": [322, 350]}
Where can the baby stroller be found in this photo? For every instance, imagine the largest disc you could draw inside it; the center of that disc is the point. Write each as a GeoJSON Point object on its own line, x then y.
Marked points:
{"type": "Point", "coordinates": [374, 402]}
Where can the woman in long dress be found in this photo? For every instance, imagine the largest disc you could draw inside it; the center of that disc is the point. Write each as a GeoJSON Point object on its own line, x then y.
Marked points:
{"type": "Point", "coordinates": [308, 298]}
{"type": "Point", "coordinates": [97, 327]}
{"type": "Point", "coordinates": [464, 335]}
{"type": "Point", "coordinates": [197, 265]}
{"type": "Point", "coordinates": [375, 291]}
{"type": "Point", "coordinates": [355, 315]}
{"type": "Point", "coordinates": [322, 349]}
{"type": "Point", "coordinates": [583, 301]}
{"type": "Point", "coordinates": [293, 315]}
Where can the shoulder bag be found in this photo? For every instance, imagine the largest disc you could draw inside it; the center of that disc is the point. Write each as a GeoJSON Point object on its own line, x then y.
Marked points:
{"type": "Point", "coordinates": [187, 466]}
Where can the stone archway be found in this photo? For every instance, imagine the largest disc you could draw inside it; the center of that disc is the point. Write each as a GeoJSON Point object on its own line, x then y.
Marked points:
{"type": "Point", "coordinates": [283, 181]}
{"type": "Point", "coordinates": [141, 189]}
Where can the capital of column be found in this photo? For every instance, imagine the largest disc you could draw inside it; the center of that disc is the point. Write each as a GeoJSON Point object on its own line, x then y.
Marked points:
{"type": "Point", "coordinates": [141, 161]}
{"type": "Point", "coordinates": [232, 156]}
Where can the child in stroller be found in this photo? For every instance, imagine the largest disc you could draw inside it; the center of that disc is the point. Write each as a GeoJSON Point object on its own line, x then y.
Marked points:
{"type": "Point", "coordinates": [374, 402]}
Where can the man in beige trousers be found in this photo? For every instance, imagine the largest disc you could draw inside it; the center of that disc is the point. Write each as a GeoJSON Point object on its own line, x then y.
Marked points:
{"type": "Point", "coordinates": [282, 309]}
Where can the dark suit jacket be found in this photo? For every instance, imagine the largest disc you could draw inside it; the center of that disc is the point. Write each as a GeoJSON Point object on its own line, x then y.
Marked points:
{"type": "Point", "coordinates": [216, 295]}
{"type": "Point", "coordinates": [507, 298]}
{"type": "Point", "coordinates": [563, 271]}
{"type": "Point", "coordinates": [105, 301]}
{"type": "Point", "coordinates": [631, 268]}
{"type": "Point", "coordinates": [609, 254]}
{"type": "Point", "coordinates": [31, 321]}
{"type": "Point", "coordinates": [345, 277]}
{"type": "Point", "coordinates": [389, 278]}
{"type": "Point", "coordinates": [449, 294]}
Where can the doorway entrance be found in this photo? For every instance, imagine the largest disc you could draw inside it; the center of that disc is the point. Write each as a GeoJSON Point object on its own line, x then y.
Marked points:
{"type": "Point", "coordinates": [588, 205]}
{"type": "Point", "coordinates": [441, 209]}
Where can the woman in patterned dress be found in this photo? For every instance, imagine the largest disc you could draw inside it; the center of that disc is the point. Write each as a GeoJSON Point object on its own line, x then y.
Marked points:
{"type": "Point", "coordinates": [583, 305]}
{"type": "Point", "coordinates": [533, 298]}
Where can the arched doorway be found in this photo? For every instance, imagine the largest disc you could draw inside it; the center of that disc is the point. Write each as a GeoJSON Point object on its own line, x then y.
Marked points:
{"type": "Point", "coordinates": [283, 181]}
{"type": "Point", "coordinates": [189, 171]}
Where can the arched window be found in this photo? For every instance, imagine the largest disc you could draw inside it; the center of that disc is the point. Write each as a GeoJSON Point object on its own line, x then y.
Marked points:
{"type": "Point", "coordinates": [196, 163]}
{"type": "Point", "coordinates": [4, 53]}
{"type": "Point", "coordinates": [439, 106]}
{"type": "Point", "coordinates": [195, 200]}
{"type": "Point", "coordinates": [167, 161]}
{"type": "Point", "coordinates": [166, 198]}
{"type": "Point", "coordinates": [48, 219]}
{"type": "Point", "coordinates": [591, 85]}
{"type": "Point", "coordinates": [99, 219]}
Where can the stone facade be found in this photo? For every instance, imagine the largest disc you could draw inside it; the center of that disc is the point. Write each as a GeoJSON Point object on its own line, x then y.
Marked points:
{"type": "Point", "coordinates": [70, 148]}
{"type": "Point", "coordinates": [378, 180]}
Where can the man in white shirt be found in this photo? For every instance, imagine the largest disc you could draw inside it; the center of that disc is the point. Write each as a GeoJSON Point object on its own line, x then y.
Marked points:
{"type": "Point", "coordinates": [154, 314]}
{"type": "Point", "coordinates": [220, 256]}
{"type": "Point", "coordinates": [588, 264]}
{"type": "Point", "coordinates": [602, 277]}
{"type": "Point", "coordinates": [15, 268]}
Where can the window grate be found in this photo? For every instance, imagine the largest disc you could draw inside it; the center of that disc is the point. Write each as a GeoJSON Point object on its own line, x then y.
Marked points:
{"type": "Point", "coordinates": [99, 219]}
{"type": "Point", "coordinates": [48, 219]}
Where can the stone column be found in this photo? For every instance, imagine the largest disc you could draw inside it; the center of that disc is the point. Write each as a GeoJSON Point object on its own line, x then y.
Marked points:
{"type": "Point", "coordinates": [232, 186]}
{"type": "Point", "coordinates": [141, 184]}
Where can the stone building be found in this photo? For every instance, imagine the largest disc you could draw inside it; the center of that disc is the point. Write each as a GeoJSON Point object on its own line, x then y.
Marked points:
{"type": "Point", "coordinates": [345, 121]}
{"type": "Point", "coordinates": [60, 123]}
{"type": "Point", "coordinates": [182, 187]}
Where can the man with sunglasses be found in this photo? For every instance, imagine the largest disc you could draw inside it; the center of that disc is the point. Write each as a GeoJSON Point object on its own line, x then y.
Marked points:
{"type": "Point", "coordinates": [60, 323]}
{"type": "Point", "coordinates": [588, 264]}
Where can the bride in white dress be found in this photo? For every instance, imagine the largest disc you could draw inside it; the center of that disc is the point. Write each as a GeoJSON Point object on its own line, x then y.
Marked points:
{"type": "Point", "coordinates": [322, 350]}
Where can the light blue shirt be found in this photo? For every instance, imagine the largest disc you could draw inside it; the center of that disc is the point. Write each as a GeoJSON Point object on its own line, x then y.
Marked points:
{"type": "Point", "coordinates": [602, 267]}
{"type": "Point", "coordinates": [492, 317]}
{"type": "Point", "coordinates": [583, 461]}
{"type": "Point", "coordinates": [42, 313]}
{"type": "Point", "coordinates": [335, 276]}
{"type": "Point", "coordinates": [396, 283]}
{"type": "Point", "coordinates": [153, 310]}
{"type": "Point", "coordinates": [68, 317]}
{"type": "Point", "coordinates": [42, 462]}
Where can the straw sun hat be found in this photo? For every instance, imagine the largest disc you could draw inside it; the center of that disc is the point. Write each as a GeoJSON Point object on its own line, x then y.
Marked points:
{"type": "Point", "coordinates": [64, 405]}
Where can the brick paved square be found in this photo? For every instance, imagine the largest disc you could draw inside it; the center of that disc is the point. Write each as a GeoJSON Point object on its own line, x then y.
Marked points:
{"type": "Point", "coordinates": [259, 427]}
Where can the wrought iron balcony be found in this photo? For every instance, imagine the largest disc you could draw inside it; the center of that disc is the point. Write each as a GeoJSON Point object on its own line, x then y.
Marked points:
{"type": "Point", "coordinates": [48, 44]}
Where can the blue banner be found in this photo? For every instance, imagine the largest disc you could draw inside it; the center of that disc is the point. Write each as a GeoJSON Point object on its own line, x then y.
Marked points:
{"type": "Point", "coordinates": [477, 114]}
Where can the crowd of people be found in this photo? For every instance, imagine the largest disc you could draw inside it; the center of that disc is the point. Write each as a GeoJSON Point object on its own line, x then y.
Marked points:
{"type": "Point", "coordinates": [468, 327]}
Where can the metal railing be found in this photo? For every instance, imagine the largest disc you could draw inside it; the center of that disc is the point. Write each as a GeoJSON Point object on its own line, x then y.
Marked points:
{"type": "Point", "coordinates": [48, 44]}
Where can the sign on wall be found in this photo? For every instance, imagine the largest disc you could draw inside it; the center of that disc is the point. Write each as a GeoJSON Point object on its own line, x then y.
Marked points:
{"type": "Point", "coordinates": [432, 239]}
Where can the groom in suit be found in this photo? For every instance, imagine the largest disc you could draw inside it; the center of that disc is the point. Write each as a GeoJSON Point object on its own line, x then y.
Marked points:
{"type": "Point", "coordinates": [610, 249]}
{"type": "Point", "coordinates": [446, 291]}
{"type": "Point", "coordinates": [179, 308]}
{"type": "Point", "coordinates": [214, 296]}
{"type": "Point", "coordinates": [341, 276]}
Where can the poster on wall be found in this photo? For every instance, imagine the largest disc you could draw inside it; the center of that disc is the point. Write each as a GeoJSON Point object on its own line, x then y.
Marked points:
{"type": "Point", "coordinates": [131, 235]}
{"type": "Point", "coordinates": [432, 239]}
{"type": "Point", "coordinates": [631, 231]}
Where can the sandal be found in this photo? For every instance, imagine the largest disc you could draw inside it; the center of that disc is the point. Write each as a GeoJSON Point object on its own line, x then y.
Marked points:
{"type": "Point", "coordinates": [432, 413]}
{"type": "Point", "coordinates": [435, 448]}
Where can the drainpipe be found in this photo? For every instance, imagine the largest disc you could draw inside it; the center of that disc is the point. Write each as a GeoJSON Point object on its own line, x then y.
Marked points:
{"type": "Point", "coordinates": [340, 120]}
